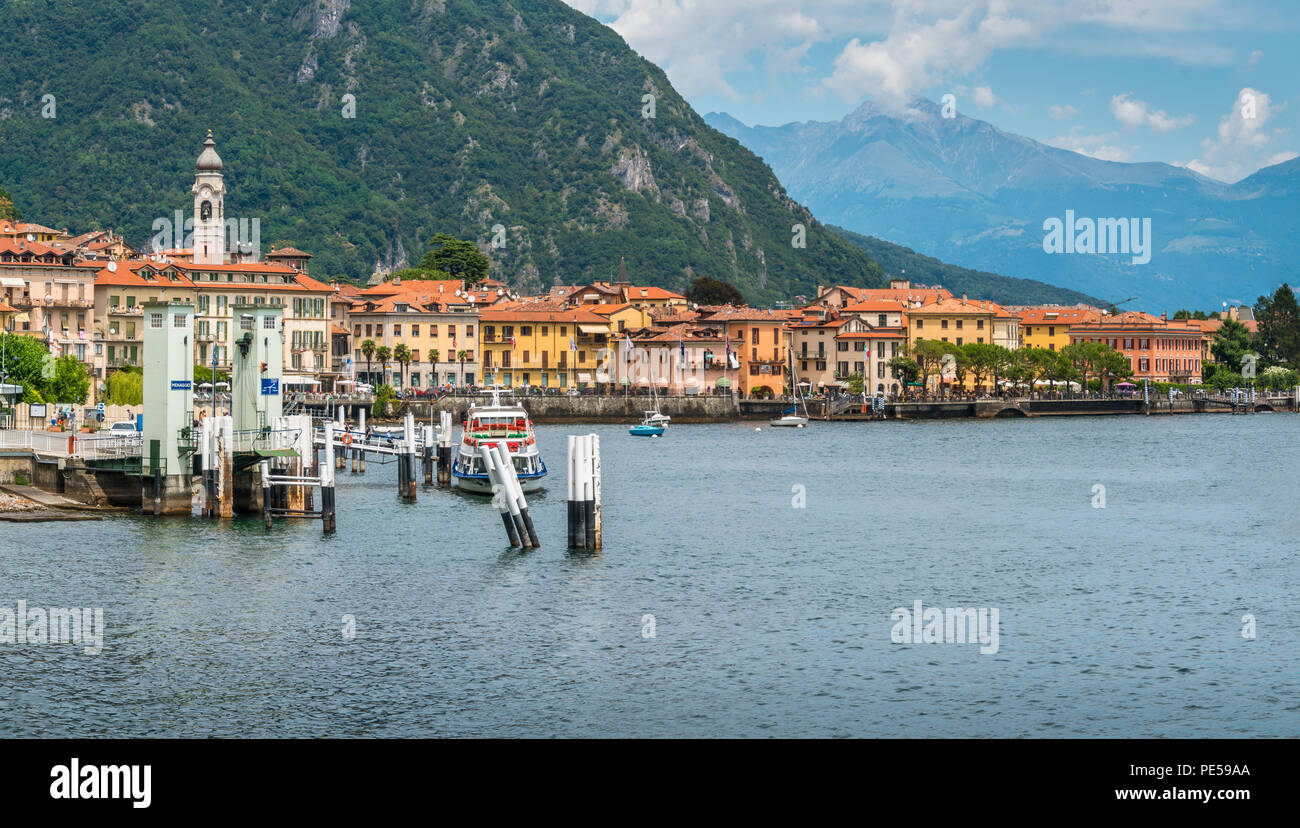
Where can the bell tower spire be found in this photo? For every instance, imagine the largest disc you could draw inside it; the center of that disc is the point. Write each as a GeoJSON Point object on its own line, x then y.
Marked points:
{"type": "Point", "coordinates": [209, 207]}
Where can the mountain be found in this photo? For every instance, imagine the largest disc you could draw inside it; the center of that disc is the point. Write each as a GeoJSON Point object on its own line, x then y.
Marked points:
{"type": "Point", "coordinates": [358, 130]}
{"type": "Point", "coordinates": [962, 190]}
{"type": "Point", "coordinates": [927, 270]}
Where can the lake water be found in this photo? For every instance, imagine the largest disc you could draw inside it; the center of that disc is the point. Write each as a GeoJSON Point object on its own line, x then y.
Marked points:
{"type": "Point", "coordinates": [769, 620]}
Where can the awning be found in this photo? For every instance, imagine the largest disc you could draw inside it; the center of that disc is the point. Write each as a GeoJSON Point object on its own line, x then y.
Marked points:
{"type": "Point", "coordinates": [593, 329]}
{"type": "Point", "coordinates": [11, 281]}
{"type": "Point", "coordinates": [584, 377]}
{"type": "Point", "coordinates": [723, 382]}
{"type": "Point", "coordinates": [298, 381]}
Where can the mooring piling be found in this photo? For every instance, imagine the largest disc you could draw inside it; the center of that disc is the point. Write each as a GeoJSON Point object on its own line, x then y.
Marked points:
{"type": "Point", "coordinates": [511, 479]}
{"type": "Point", "coordinates": [444, 449]}
{"type": "Point", "coordinates": [500, 495]}
{"type": "Point", "coordinates": [426, 453]}
{"type": "Point", "coordinates": [327, 481]}
{"type": "Point", "coordinates": [584, 492]}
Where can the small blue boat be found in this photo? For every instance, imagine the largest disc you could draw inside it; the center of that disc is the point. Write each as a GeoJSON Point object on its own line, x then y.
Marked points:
{"type": "Point", "coordinates": [652, 426]}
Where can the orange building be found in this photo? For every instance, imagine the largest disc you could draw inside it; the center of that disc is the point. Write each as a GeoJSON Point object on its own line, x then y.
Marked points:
{"type": "Point", "coordinates": [1157, 349]}
{"type": "Point", "coordinates": [762, 349]}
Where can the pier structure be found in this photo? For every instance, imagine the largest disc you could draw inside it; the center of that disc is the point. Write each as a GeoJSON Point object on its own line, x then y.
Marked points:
{"type": "Point", "coordinates": [168, 438]}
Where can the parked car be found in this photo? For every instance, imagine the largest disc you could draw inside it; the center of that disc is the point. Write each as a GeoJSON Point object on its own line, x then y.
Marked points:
{"type": "Point", "coordinates": [122, 427]}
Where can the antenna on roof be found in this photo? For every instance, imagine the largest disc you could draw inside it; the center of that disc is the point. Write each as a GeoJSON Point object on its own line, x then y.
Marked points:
{"type": "Point", "coordinates": [31, 237]}
{"type": "Point", "coordinates": [112, 266]}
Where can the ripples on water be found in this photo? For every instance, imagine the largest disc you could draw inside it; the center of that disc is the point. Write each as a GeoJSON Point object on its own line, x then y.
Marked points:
{"type": "Point", "coordinates": [770, 620]}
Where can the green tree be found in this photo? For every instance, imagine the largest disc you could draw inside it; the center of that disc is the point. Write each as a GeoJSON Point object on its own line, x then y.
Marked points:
{"type": "Point", "coordinates": [856, 383]}
{"type": "Point", "coordinates": [22, 359]}
{"type": "Point", "coordinates": [368, 351]}
{"type": "Point", "coordinates": [1278, 339]}
{"type": "Point", "coordinates": [384, 353]}
{"type": "Point", "coordinates": [929, 354]}
{"type": "Point", "coordinates": [70, 384]}
{"type": "Point", "coordinates": [402, 355]}
{"type": "Point", "coordinates": [458, 258]}
{"type": "Point", "coordinates": [126, 388]}
{"type": "Point", "coordinates": [983, 360]}
{"type": "Point", "coordinates": [7, 208]}
{"type": "Point", "coordinates": [709, 291]}
{"type": "Point", "coordinates": [1231, 342]}
{"type": "Point", "coordinates": [461, 356]}
{"type": "Point", "coordinates": [906, 370]}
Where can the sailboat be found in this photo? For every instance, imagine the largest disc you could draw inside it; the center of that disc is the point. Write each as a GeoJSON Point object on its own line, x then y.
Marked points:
{"type": "Point", "coordinates": [790, 417]}
{"type": "Point", "coordinates": [654, 422]}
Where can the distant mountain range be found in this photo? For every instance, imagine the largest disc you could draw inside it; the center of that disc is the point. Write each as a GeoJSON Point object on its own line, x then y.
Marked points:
{"type": "Point", "coordinates": [357, 130]}
{"type": "Point", "coordinates": [966, 192]}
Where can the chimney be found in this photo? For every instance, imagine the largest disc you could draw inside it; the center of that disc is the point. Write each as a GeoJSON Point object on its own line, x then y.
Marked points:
{"type": "Point", "coordinates": [1164, 316]}
{"type": "Point", "coordinates": [963, 298]}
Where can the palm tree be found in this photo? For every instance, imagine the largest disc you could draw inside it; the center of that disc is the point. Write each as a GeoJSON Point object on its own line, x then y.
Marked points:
{"type": "Point", "coordinates": [461, 356]}
{"type": "Point", "coordinates": [368, 351]}
{"type": "Point", "coordinates": [403, 356]}
{"type": "Point", "coordinates": [384, 353]}
{"type": "Point", "coordinates": [434, 356]}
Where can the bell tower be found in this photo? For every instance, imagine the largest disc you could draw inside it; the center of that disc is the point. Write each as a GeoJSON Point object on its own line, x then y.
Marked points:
{"type": "Point", "coordinates": [209, 207]}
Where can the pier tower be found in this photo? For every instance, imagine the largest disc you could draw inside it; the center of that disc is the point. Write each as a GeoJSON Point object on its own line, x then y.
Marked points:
{"type": "Point", "coordinates": [256, 366]}
{"type": "Point", "coordinates": [169, 441]}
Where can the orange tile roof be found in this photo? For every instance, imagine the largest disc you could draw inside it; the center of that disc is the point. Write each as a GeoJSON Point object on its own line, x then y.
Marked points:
{"type": "Point", "coordinates": [429, 286]}
{"type": "Point", "coordinates": [874, 306]}
{"type": "Point", "coordinates": [288, 252]}
{"type": "Point", "coordinates": [1047, 315]}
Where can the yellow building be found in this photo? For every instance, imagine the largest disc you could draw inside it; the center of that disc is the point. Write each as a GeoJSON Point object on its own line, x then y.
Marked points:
{"type": "Point", "coordinates": [1049, 327]}
{"type": "Point", "coordinates": [548, 348]}
{"type": "Point", "coordinates": [624, 317]}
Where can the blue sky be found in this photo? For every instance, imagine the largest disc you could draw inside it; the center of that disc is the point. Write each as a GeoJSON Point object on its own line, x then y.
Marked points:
{"type": "Point", "coordinates": [1210, 84]}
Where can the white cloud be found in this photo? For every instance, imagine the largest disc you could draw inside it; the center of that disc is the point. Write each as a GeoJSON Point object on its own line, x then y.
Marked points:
{"type": "Point", "coordinates": [1133, 114]}
{"type": "Point", "coordinates": [1241, 145]}
{"type": "Point", "coordinates": [918, 53]}
{"type": "Point", "coordinates": [983, 97]}
{"type": "Point", "coordinates": [1060, 112]}
{"type": "Point", "coordinates": [1254, 58]}
{"type": "Point", "coordinates": [1103, 146]}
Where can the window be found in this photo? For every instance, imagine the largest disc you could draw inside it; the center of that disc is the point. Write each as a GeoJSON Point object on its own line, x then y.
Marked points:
{"type": "Point", "coordinates": [881, 320]}
{"type": "Point", "coordinates": [180, 320]}
{"type": "Point", "coordinates": [415, 331]}
{"type": "Point", "coordinates": [268, 323]}
{"type": "Point", "coordinates": [979, 324]}
{"type": "Point", "coordinates": [959, 324]}
{"type": "Point", "coordinates": [155, 320]}
{"type": "Point", "coordinates": [526, 330]}
{"type": "Point", "coordinates": [755, 336]}
{"type": "Point", "coordinates": [920, 323]}
{"type": "Point", "coordinates": [113, 300]}
{"type": "Point", "coordinates": [943, 323]}
{"type": "Point", "coordinates": [397, 329]}
{"type": "Point", "coordinates": [880, 350]}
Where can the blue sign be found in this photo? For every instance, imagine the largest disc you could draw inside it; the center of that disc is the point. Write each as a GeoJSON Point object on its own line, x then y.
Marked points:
{"type": "Point", "coordinates": [270, 387]}
{"type": "Point", "coordinates": [180, 385]}
{"type": "Point", "coordinates": [101, 408]}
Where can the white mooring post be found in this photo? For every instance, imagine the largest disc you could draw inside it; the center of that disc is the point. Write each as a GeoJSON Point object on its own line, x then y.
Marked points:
{"type": "Point", "coordinates": [511, 479]}
{"type": "Point", "coordinates": [264, 468]}
{"type": "Point", "coordinates": [426, 453]}
{"type": "Point", "coordinates": [584, 492]}
{"type": "Point", "coordinates": [501, 496]}
{"type": "Point", "coordinates": [327, 481]}
{"type": "Point", "coordinates": [444, 448]}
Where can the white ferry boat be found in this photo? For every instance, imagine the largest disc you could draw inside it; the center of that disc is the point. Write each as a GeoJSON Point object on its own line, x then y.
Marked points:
{"type": "Point", "coordinates": [497, 423]}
